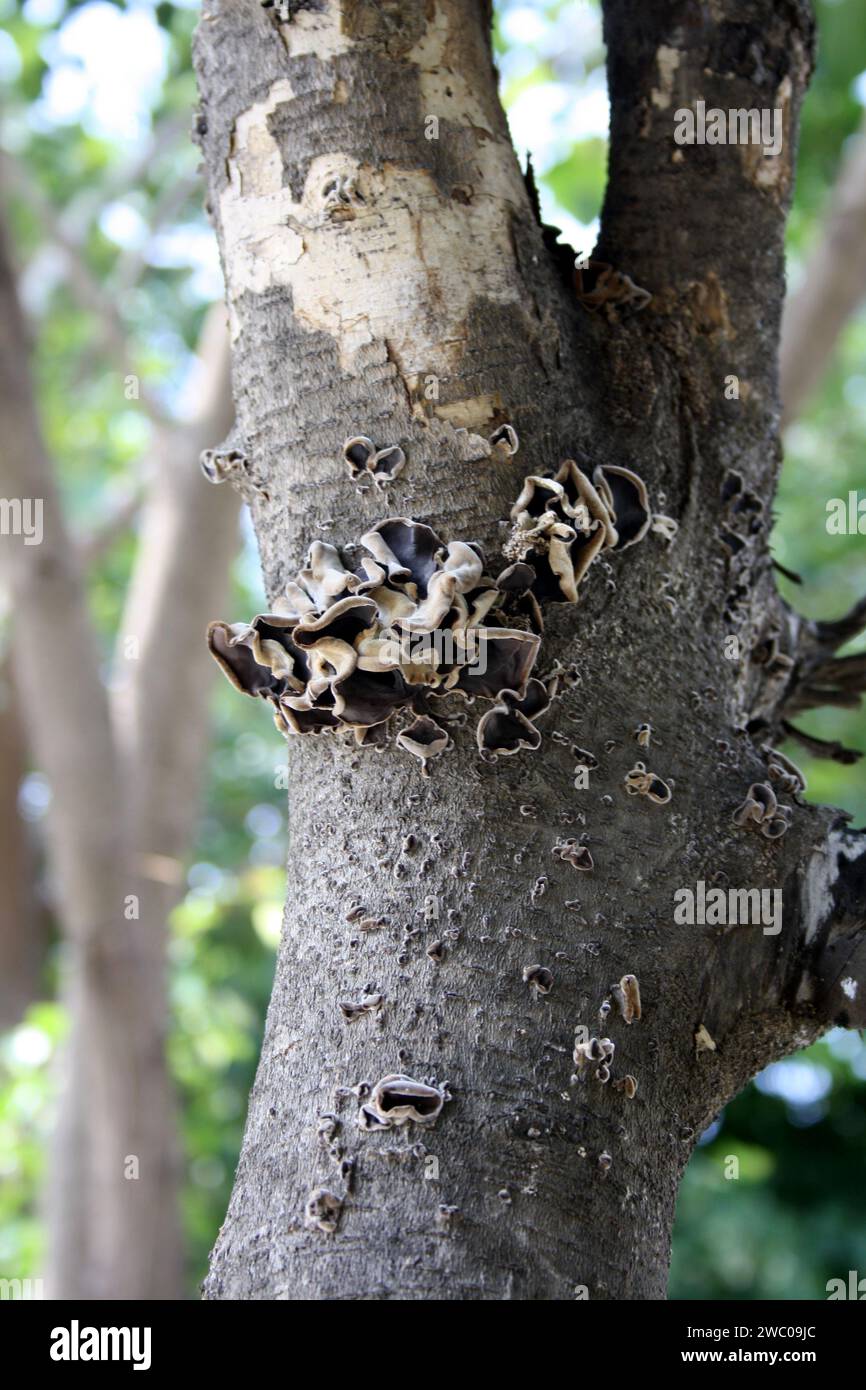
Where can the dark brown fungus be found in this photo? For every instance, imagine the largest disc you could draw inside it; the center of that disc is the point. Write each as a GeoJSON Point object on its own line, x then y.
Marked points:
{"type": "Point", "coordinates": [778, 825]}
{"type": "Point", "coordinates": [358, 451]}
{"type": "Point", "coordinates": [639, 782]}
{"type": "Point", "coordinates": [369, 1004]}
{"type": "Point", "coordinates": [499, 665]}
{"type": "Point", "coordinates": [387, 463]}
{"type": "Point", "coordinates": [367, 463]}
{"type": "Point", "coordinates": [625, 496]}
{"type": "Point", "coordinates": [597, 284]}
{"type": "Point", "coordinates": [561, 524]}
{"type": "Point", "coordinates": [504, 440]}
{"type": "Point", "coordinates": [223, 464]}
{"type": "Point", "coordinates": [228, 463]}
{"type": "Point", "coordinates": [584, 758]}
{"type": "Point", "coordinates": [516, 579]}
{"type": "Point", "coordinates": [424, 739]}
{"type": "Point", "coordinates": [229, 644]}
{"type": "Point", "coordinates": [507, 727]}
{"type": "Point", "coordinates": [574, 853]}
{"type": "Point", "coordinates": [398, 1100]}
{"type": "Point", "coordinates": [761, 811]}
{"type": "Point", "coordinates": [347, 648]}
{"type": "Point", "coordinates": [759, 805]}
{"type": "Point", "coordinates": [596, 1050]}
{"type": "Point", "coordinates": [785, 773]}
{"type": "Point", "coordinates": [408, 549]}
{"type": "Point", "coordinates": [539, 978]}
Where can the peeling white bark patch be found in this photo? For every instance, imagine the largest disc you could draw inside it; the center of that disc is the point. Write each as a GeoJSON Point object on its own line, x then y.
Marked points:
{"type": "Point", "coordinates": [402, 265]}
{"type": "Point", "coordinates": [849, 987]}
{"type": "Point", "coordinates": [768, 170]}
{"type": "Point", "coordinates": [256, 164]}
{"type": "Point", "coordinates": [445, 92]}
{"type": "Point", "coordinates": [319, 32]}
{"type": "Point", "coordinates": [667, 62]}
{"type": "Point", "coordinates": [471, 414]}
{"type": "Point", "coordinates": [820, 875]}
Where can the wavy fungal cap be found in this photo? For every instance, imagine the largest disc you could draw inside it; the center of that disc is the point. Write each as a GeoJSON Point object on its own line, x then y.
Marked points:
{"type": "Point", "coordinates": [561, 524]}
{"type": "Point", "coordinates": [354, 648]}
{"type": "Point", "coordinates": [416, 619]}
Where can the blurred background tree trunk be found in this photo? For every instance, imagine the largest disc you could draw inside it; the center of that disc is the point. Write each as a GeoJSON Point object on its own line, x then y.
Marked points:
{"type": "Point", "coordinates": [833, 285]}
{"type": "Point", "coordinates": [23, 923]}
{"type": "Point", "coordinates": [124, 775]}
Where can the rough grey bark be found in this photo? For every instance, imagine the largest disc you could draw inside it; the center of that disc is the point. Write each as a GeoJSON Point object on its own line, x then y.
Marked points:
{"type": "Point", "coordinates": [541, 1188]}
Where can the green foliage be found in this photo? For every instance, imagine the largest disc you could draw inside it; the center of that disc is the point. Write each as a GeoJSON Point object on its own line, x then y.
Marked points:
{"type": "Point", "coordinates": [794, 1216]}
{"type": "Point", "coordinates": [577, 182]}
{"type": "Point", "coordinates": [26, 1091]}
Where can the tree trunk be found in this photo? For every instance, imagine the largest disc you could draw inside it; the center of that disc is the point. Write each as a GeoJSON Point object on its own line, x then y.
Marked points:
{"type": "Point", "coordinates": [388, 284]}
{"type": "Point", "coordinates": [124, 796]}
{"type": "Point", "coordinates": [23, 921]}
{"type": "Point", "coordinates": [833, 286]}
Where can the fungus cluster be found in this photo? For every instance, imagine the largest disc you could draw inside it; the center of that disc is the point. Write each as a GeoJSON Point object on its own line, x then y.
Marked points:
{"type": "Point", "coordinates": [562, 523]}
{"type": "Point", "coordinates": [228, 463]}
{"type": "Point", "coordinates": [784, 772]}
{"type": "Point", "coordinates": [761, 811]}
{"type": "Point", "coordinates": [368, 464]}
{"type": "Point", "coordinates": [347, 648]}
{"type": "Point", "coordinates": [597, 1052]}
{"type": "Point", "coordinates": [598, 285]}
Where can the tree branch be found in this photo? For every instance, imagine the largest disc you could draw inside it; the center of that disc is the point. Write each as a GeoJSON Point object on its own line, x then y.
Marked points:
{"type": "Point", "coordinates": [23, 928]}
{"type": "Point", "coordinates": [701, 225]}
{"type": "Point", "coordinates": [188, 537]}
{"type": "Point", "coordinates": [95, 542]}
{"type": "Point", "coordinates": [87, 289]}
{"type": "Point", "coordinates": [54, 638]}
{"type": "Point", "coordinates": [821, 677]}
